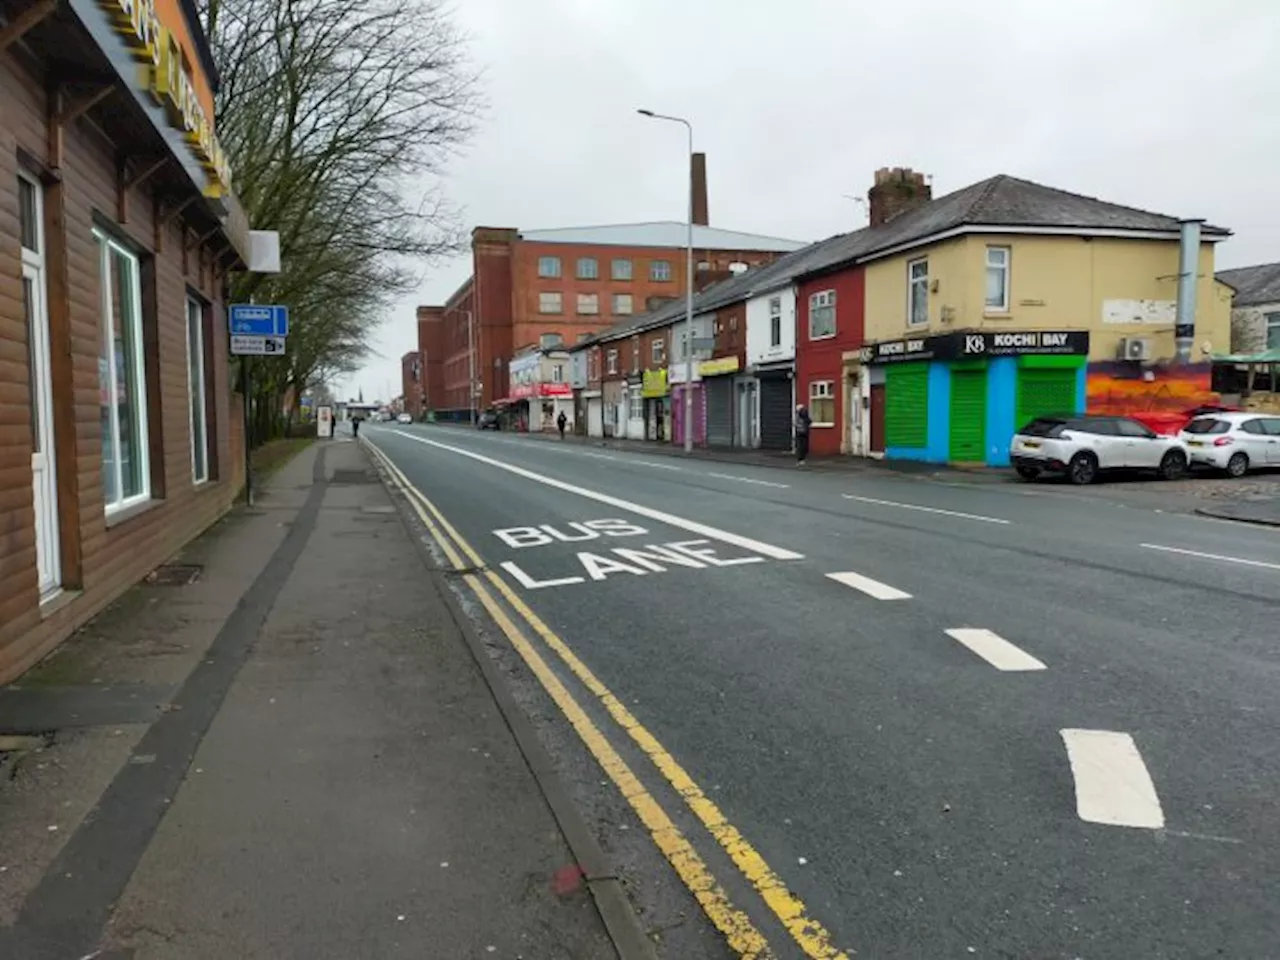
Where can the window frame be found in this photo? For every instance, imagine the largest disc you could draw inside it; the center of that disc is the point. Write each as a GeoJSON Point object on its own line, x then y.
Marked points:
{"type": "Point", "coordinates": [913, 282]}
{"type": "Point", "coordinates": [611, 362]}
{"type": "Point", "coordinates": [542, 309]}
{"type": "Point", "coordinates": [587, 274]}
{"type": "Point", "coordinates": [826, 395]}
{"type": "Point", "coordinates": [592, 298]}
{"type": "Point", "coordinates": [108, 245]}
{"type": "Point", "coordinates": [654, 271]}
{"type": "Point", "coordinates": [631, 305]}
{"type": "Point", "coordinates": [621, 274]}
{"type": "Point", "coordinates": [658, 351]}
{"type": "Point", "coordinates": [635, 404]}
{"type": "Point", "coordinates": [775, 321]}
{"type": "Point", "coordinates": [1270, 325]}
{"type": "Point", "coordinates": [1004, 306]}
{"type": "Point", "coordinates": [195, 311]}
{"type": "Point", "coordinates": [553, 273]}
{"type": "Point", "coordinates": [822, 300]}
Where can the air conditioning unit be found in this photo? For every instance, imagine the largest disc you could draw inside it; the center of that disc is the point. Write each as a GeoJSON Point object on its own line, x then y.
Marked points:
{"type": "Point", "coordinates": [1135, 348]}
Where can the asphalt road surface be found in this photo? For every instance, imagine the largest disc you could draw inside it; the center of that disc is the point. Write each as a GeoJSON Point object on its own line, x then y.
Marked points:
{"type": "Point", "coordinates": [820, 715]}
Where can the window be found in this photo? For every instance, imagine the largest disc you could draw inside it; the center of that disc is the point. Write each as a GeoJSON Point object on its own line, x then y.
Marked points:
{"type": "Point", "coordinates": [704, 266]}
{"type": "Point", "coordinates": [557, 373]}
{"type": "Point", "coordinates": [822, 315]}
{"type": "Point", "coordinates": [197, 391]}
{"type": "Point", "coordinates": [122, 388]}
{"type": "Point", "coordinates": [588, 268]}
{"type": "Point", "coordinates": [917, 293]}
{"type": "Point", "coordinates": [612, 361]}
{"type": "Point", "coordinates": [822, 403]}
{"type": "Point", "coordinates": [658, 350]}
{"type": "Point", "coordinates": [549, 341]}
{"type": "Point", "coordinates": [620, 270]}
{"type": "Point", "coordinates": [997, 279]}
{"type": "Point", "coordinates": [549, 267]}
{"type": "Point", "coordinates": [635, 354]}
{"type": "Point", "coordinates": [1273, 331]}
{"type": "Point", "coordinates": [621, 304]}
{"type": "Point", "coordinates": [637, 405]}
{"type": "Point", "coordinates": [660, 270]}
{"type": "Point", "coordinates": [549, 302]}
{"type": "Point", "coordinates": [588, 303]}
{"type": "Point", "coordinates": [1255, 427]}
{"type": "Point", "coordinates": [1132, 428]}
{"type": "Point", "coordinates": [1271, 426]}
{"type": "Point", "coordinates": [775, 321]}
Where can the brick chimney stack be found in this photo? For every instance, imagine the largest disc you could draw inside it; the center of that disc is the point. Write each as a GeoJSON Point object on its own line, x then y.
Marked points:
{"type": "Point", "coordinates": [698, 173]}
{"type": "Point", "coordinates": [897, 190]}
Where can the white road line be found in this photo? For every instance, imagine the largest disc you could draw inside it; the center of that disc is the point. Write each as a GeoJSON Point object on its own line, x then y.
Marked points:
{"type": "Point", "coordinates": [759, 483]}
{"type": "Point", "coordinates": [915, 506]}
{"type": "Point", "coordinates": [596, 456]}
{"type": "Point", "coordinates": [995, 649]}
{"type": "Point", "coordinates": [702, 529]}
{"type": "Point", "coordinates": [873, 588]}
{"type": "Point", "coordinates": [1213, 556]}
{"type": "Point", "coordinates": [1112, 783]}
{"type": "Point", "coordinates": [656, 466]}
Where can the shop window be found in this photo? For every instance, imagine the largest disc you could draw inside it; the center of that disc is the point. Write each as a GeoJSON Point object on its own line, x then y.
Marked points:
{"type": "Point", "coordinates": [998, 279]}
{"type": "Point", "coordinates": [660, 270]}
{"type": "Point", "coordinates": [588, 268]}
{"type": "Point", "coordinates": [918, 293]}
{"type": "Point", "coordinates": [549, 267]}
{"type": "Point", "coordinates": [122, 387]}
{"type": "Point", "coordinates": [197, 391]}
{"type": "Point", "coordinates": [775, 321]}
{"type": "Point", "coordinates": [822, 403]}
{"type": "Point", "coordinates": [620, 269]}
{"type": "Point", "coordinates": [822, 315]}
{"type": "Point", "coordinates": [550, 302]}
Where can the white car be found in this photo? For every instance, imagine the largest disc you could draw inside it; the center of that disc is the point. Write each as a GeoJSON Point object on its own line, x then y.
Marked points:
{"type": "Point", "coordinates": [404, 418]}
{"type": "Point", "coordinates": [1082, 447]}
{"type": "Point", "coordinates": [1234, 442]}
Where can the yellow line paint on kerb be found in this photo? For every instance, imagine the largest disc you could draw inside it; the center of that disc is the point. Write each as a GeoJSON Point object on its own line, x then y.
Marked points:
{"type": "Point", "coordinates": [740, 933]}
{"type": "Point", "coordinates": [811, 936]}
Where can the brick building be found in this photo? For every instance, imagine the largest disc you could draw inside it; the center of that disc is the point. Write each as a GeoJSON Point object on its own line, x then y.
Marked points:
{"type": "Point", "coordinates": [411, 384]}
{"type": "Point", "coordinates": [120, 438]}
{"type": "Point", "coordinates": [537, 287]}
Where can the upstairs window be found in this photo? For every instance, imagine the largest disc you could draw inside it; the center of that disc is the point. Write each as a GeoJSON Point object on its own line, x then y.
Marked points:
{"type": "Point", "coordinates": [659, 351]}
{"type": "Point", "coordinates": [775, 321]}
{"type": "Point", "coordinates": [588, 303]}
{"type": "Point", "coordinates": [622, 304]}
{"type": "Point", "coordinates": [588, 268]}
{"type": "Point", "coordinates": [998, 279]}
{"type": "Point", "coordinates": [822, 315]}
{"type": "Point", "coordinates": [660, 270]}
{"type": "Point", "coordinates": [549, 267]}
{"type": "Point", "coordinates": [550, 302]}
{"type": "Point", "coordinates": [620, 269]}
{"type": "Point", "coordinates": [918, 293]}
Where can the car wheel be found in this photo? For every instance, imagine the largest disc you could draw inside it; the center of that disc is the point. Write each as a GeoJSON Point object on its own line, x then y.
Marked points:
{"type": "Point", "coordinates": [1083, 469]}
{"type": "Point", "coordinates": [1238, 465]}
{"type": "Point", "coordinates": [1028, 473]}
{"type": "Point", "coordinates": [1173, 465]}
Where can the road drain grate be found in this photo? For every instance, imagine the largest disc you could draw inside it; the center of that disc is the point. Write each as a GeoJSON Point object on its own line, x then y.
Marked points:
{"type": "Point", "coordinates": [175, 574]}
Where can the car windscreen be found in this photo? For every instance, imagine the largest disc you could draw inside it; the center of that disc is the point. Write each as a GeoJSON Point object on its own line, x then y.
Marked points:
{"type": "Point", "coordinates": [1044, 427]}
{"type": "Point", "coordinates": [1207, 425]}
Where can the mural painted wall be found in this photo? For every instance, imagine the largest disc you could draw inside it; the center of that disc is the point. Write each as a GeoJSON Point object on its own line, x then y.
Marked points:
{"type": "Point", "coordinates": [1119, 388]}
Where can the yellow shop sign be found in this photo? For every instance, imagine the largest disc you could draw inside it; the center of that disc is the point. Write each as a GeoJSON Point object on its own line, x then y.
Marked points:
{"type": "Point", "coordinates": [654, 383]}
{"type": "Point", "coordinates": [712, 368]}
{"type": "Point", "coordinates": [162, 74]}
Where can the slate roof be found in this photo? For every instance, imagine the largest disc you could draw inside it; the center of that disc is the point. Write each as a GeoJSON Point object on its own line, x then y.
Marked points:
{"type": "Point", "coordinates": [1254, 286]}
{"type": "Point", "coordinates": [662, 233]}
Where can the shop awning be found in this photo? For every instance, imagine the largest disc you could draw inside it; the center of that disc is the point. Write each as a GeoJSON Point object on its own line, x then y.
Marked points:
{"type": "Point", "coordinates": [1265, 356]}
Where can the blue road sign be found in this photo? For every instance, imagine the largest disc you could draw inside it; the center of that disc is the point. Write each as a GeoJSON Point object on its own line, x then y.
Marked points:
{"type": "Point", "coordinates": [259, 320]}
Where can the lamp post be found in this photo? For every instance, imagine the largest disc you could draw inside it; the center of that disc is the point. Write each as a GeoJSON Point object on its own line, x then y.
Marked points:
{"type": "Point", "coordinates": [688, 289]}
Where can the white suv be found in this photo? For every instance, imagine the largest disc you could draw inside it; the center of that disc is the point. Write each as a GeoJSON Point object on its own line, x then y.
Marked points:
{"type": "Point", "coordinates": [1082, 447]}
{"type": "Point", "coordinates": [1234, 442]}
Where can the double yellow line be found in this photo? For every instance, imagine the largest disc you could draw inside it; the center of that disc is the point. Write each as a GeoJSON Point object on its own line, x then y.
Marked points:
{"type": "Point", "coordinates": [739, 931]}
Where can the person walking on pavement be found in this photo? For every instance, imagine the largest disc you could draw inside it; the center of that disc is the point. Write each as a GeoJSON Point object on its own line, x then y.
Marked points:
{"type": "Point", "coordinates": [355, 428]}
{"type": "Point", "coordinates": [560, 422]}
{"type": "Point", "coordinates": [803, 422]}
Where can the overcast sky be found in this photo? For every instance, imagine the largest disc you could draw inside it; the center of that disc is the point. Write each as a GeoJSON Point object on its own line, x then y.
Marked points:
{"type": "Point", "coordinates": [1168, 105]}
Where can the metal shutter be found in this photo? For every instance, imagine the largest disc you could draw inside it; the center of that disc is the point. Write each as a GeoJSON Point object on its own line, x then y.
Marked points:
{"type": "Point", "coordinates": [776, 416]}
{"type": "Point", "coordinates": [719, 411]}
{"type": "Point", "coordinates": [968, 415]}
{"type": "Point", "coordinates": [1042, 392]}
{"type": "Point", "coordinates": [906, 405]}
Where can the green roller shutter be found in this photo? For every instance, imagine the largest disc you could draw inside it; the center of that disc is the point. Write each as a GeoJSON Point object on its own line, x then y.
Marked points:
{"type": "Point", "coordinates": [1042, 392]}
{"type": "Point", "coordinates": [906, 405]}
{"type": "Point", "coordinates": [968, 415]}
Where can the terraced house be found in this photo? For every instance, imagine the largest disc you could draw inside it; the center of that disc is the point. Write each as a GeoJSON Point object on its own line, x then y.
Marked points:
{"type": "Point", "coordinates": [120, 437]}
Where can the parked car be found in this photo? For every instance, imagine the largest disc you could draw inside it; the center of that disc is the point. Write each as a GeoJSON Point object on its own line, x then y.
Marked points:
{"type": "Point", "coordinates": [487, 420]}
{"type": "Point", "coordinates": [1083, 447]}
{"type": "Point", "coordinates": [404, 418]}
{"type": "Point", "coordinates": [1234, 442]}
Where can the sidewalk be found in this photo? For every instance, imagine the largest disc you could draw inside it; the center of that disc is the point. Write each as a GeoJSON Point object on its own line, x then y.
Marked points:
{"type": "Point", "coordinates": [1262, 510]}
{"type": "Point", "coordinates": [294, 755]}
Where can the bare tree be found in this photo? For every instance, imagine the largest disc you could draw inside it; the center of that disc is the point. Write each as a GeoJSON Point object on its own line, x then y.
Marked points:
{"type": "Point", "coordinates": [337, 118]}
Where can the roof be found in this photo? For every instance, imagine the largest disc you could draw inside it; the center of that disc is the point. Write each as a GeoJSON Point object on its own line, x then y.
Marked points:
{"type": "Point", "coordinates": [1253, 285]}
{"type": "Point", "coordinates": [662, 233]}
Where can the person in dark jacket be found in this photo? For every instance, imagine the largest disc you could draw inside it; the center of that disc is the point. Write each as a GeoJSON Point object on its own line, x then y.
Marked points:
{"type": "Point", "coordinates": [355, 427]}
{"type": "Point", "coordinates": [561, 421]}
{"type": "Point", "coordinates": [803, 423]}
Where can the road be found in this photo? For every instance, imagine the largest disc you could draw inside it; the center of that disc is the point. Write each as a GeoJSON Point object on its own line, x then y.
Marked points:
{"type": "Point", "coordinates": [871, 716]}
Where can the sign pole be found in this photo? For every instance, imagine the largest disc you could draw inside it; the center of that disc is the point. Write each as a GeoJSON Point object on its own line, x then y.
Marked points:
{"type": "Point", "coordinates": [248, 421]}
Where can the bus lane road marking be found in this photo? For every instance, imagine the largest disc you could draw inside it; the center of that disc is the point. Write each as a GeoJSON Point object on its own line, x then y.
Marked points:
{"type": "Point", "coordinates": [604, 560]}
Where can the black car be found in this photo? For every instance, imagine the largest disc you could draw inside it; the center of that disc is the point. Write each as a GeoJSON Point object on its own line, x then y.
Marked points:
{"type": "Point", "coordinates": [488, 421]}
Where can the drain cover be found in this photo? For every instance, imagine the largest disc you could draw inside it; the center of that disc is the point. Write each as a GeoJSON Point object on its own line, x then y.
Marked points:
{"type": "Point", "coordinates": [174, 574]}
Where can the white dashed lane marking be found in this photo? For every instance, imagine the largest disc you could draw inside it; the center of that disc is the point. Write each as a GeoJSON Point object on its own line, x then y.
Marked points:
{"type": "Point", "coordinates": [1213, 556]}
{"type": "Point", "coordinates": [759, 483]}
{"type": "Point", "coordinates": [916, 506]}
{"type": "Point", "coordinates": [872, 588]}
{"type": "Point", "coordinates": [1112, 783]}
{"type": "Point", "coordinates": [995, 649]}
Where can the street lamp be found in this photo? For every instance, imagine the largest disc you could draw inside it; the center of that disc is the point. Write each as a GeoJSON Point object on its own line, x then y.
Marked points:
{"type": "Point", "coordinates": [688, 290]}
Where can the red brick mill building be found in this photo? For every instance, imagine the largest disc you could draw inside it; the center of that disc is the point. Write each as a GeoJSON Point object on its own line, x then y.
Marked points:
{"type": "Point", "coordinates": [120, 437]}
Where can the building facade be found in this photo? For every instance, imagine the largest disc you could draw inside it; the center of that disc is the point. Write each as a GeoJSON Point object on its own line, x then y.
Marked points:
{"type": "Point", "coordinates": [1255, 307]}
{"type": "Point", "coordinates": [412, 394]}
{"type": "Point", "coordinates": [120, 438]}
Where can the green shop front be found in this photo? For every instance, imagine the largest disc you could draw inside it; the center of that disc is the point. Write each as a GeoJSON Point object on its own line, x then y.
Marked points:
{"type": "Point", "coordinates": [960, 397]}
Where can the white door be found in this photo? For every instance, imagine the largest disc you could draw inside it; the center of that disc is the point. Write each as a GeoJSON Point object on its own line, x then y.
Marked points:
{"type": "Point", "coordinates": [43, 468]}
{"type": "Point", "coordinates": [1272, 427]}
{"type": "Point", "coordinates": [1253, 438]}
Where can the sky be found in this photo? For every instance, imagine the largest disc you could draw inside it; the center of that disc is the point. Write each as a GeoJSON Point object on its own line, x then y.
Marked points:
{"type": "Point", "coordinates": [1166, 105]}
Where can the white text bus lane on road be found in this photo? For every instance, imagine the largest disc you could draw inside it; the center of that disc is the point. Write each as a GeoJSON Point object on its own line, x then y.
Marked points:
{"type": "Point", "coordinates": [567, 564]}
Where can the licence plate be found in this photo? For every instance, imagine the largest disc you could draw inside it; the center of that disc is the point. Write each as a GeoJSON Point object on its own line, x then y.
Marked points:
{"type": "Point", "coordinates": [1030, 445]}
{"type": "Point", "coordinates": [1195, 443]}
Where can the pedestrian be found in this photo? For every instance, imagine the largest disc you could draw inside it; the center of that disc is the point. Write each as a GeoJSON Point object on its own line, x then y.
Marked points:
{"type": "Point", "coordinates": [803, 422]}
{"type": "Point", "coordinates": [355, 427]}
{"type": "Point", "coordinates": [560, 422]}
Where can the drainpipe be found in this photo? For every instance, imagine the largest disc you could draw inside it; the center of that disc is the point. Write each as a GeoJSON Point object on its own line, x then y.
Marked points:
{"type": "Point", "coordinates": [1184, 331]}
